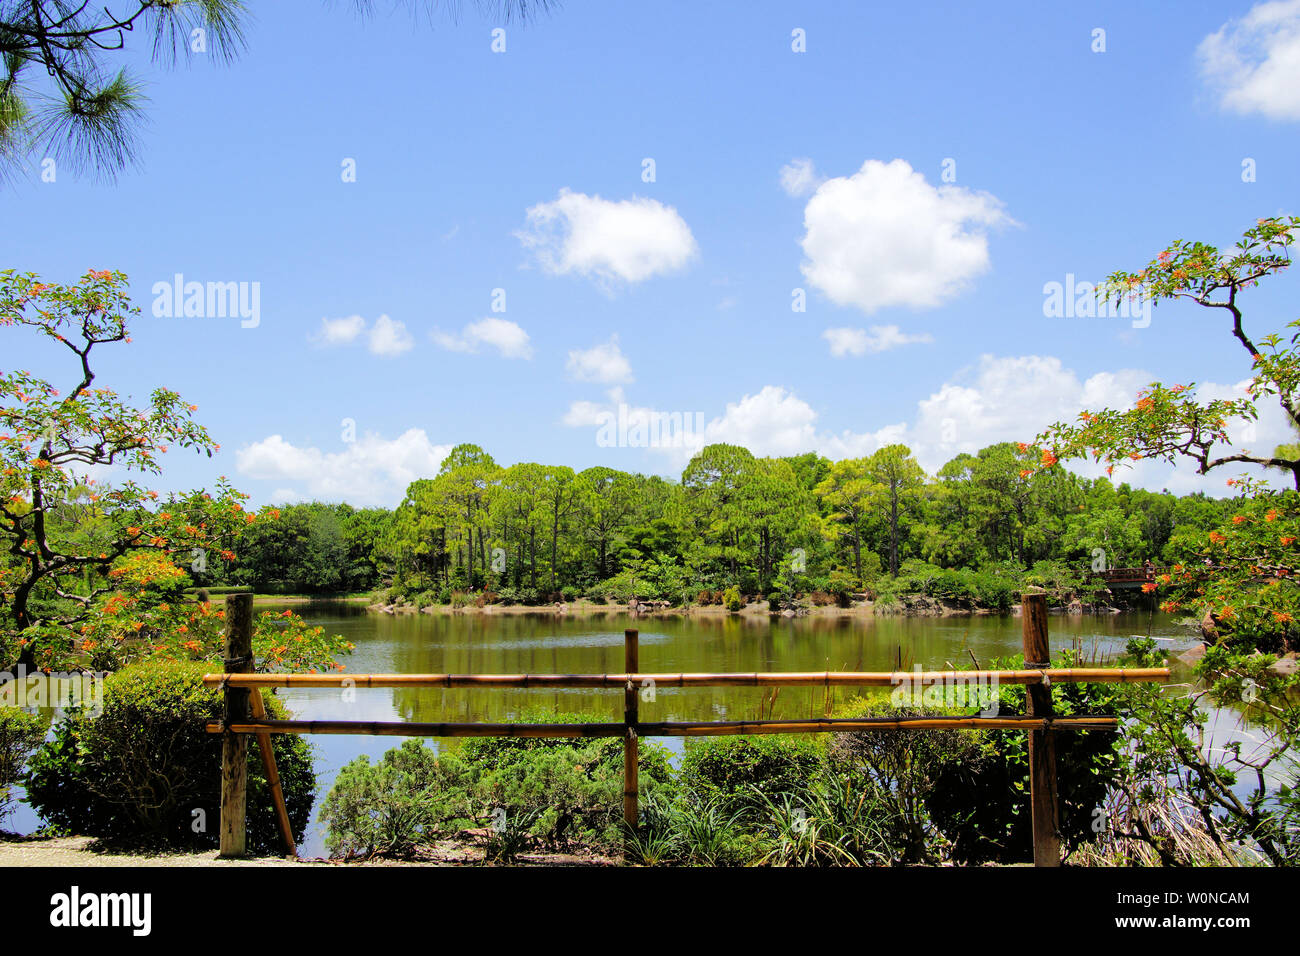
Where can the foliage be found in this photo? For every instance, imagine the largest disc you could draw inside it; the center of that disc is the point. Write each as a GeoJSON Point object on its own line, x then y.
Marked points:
{"type": "Point", "coordinates": [69, 540]}
{"type": "Point", "coordinates": [1246, 793]}
{"type": "Point", "coordinates": [515, 790]}
{"type": "Point", "coordinates": [1242, 574]}
{"type": "Point", "coordinates": [1168, 423]}
{"type": "Point", "coordinates": [742, 772]}
{"type": "Point", "coordinates": [965, 794]}
{"type": "Point", "coordinates": [392, 808]}
{"type": "Point", "coordinates": [146, 773]}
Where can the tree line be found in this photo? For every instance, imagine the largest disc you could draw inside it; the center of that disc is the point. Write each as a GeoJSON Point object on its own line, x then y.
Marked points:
{"type": "Point", "coordinates": [792, 524]}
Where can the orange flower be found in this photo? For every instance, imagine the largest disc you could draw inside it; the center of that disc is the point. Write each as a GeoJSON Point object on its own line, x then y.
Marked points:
{"type": "Point", "coordinates": [1271, 516]}
{"type": "Point", "coordinates": [1238, 519]}
{"type": "Point", "coordinates": [1149, 587]}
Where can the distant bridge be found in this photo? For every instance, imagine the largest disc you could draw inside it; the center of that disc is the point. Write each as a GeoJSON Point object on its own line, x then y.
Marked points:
{"type": "Point", "coordinates": [1129, 577]}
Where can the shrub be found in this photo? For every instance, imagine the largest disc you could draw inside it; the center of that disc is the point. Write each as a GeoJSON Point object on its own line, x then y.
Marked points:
{"type": "Point", "coordinates": [906, 767]}
{"type": "Point", "coordinates": [552, 790]}
{"type": "Point", "coordinates": [732, 599]}
{"type": "Point", "coordinates": [571, 789]}
{"type": "Point", "coordinates": [965, 793]}
{"type": "Point", "coordinates": [146, 772]}
{"type": "Point", "coordinates": [742, 770]}
{"type": "Point", "coordinates": [840, 819]}
{"type": "Point", "coordinates": [393, 807]}
{"type": "Point", "coordinates": [695, 829]}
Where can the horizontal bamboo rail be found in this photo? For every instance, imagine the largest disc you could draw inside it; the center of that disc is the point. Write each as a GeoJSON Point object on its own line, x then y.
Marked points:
{"type": "Point", "coordinates": [667, 728]}
{"type": "Point", "coordinates": [1064, 675]}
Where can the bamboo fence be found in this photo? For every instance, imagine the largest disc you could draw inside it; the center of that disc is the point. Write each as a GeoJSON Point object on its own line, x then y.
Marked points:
{"type": "Point", "coordinates": [244, 714]}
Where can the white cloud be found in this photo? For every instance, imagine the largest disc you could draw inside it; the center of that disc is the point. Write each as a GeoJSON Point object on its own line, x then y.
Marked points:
{"type": "Point", "coordinates": [629, 240]}
{"type": "Point", "coordinates": [386, 338]}
{"type": "Point", "coordinates": [1015, 398]}
{"type": "Point", "coordinates": [1254, 63]}
{"type": "Point", "coordinates": [604, 363]}
{"type": "Point", "coordinates": [777, 422]}
{"type": "Point", "coordinates": [369, 471]}
{"type": "Point", "coordinates": [586, 414]}
{"type": "Point", "coordinates": [884, 236]}
{"type": "Point", "coordinates": [774, 421]}
{"type": "Point", "coordinates": [1010, 399]}
{"type": "Point", "coordinates": [999, 399]}
{"type": "Point", "coordinates": [880, 338]}
{"type": "Point", "coordinates": [508, 338]}
{"type": "Point", "coordinates": [389, 338]}
{"type": "Point", "coordinates": [340, 331]}
{"type": "Point", "coordinates": [799, 178]}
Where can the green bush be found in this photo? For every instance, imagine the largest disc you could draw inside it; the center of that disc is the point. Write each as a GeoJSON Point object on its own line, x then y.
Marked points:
{"type": "Point", "coordinates": [732, 599]}
{"type": "Point", "coordinates": [547, 789]}
{"type": "Point", "coordinates": [393, 807]}
{"type": "Point", "coordinates": [965, 793]}
{"type": "Point", "coordinates": [146, 773]}
{"type": "Point", "coordinates": [741, 771]}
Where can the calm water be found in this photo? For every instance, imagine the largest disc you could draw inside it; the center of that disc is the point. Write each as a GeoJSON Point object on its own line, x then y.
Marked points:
{"type": "Point", "coordinates": [544, 643]}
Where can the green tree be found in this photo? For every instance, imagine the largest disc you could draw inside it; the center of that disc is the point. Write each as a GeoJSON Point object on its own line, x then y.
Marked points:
{"type": "Point", "coordinates": [849, 494]}
{"type": "Point", "coordinates": [899, 479]}
{"type": "Point", "coordinates": [63, 532]}
{"type": "Point", "coordinates": [1168, 423]}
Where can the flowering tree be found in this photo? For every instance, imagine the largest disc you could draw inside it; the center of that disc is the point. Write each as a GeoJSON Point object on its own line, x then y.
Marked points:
{"type": "Point", "coordinates": [1240, 577]}
{"type": "Point", "coordinates": [1170, 422]}
{"type": "Point", "coordinates": [68, 542]}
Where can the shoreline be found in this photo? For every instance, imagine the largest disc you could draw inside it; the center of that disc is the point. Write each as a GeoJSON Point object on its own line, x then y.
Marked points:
{"type": "Point", "coordinates": [915, 606]}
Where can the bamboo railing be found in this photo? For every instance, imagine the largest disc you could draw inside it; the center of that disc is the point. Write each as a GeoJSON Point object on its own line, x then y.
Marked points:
{"type": "Point", "coordinates": [240, 721]}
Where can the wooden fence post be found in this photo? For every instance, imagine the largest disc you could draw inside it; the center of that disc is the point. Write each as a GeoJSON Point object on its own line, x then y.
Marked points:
{"type": "Point", "coordinates": [272, 773]}
{"type": "Point", "coordinates": [234, 747]}
{"type": "Point", "coordinates": [631, 665]}
{"type": "Point", "coordinates": [1042, 743]}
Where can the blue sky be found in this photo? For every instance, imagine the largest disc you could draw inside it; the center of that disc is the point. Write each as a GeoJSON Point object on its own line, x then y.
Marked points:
{"type": "Point", "coordinates": [524, 171]}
